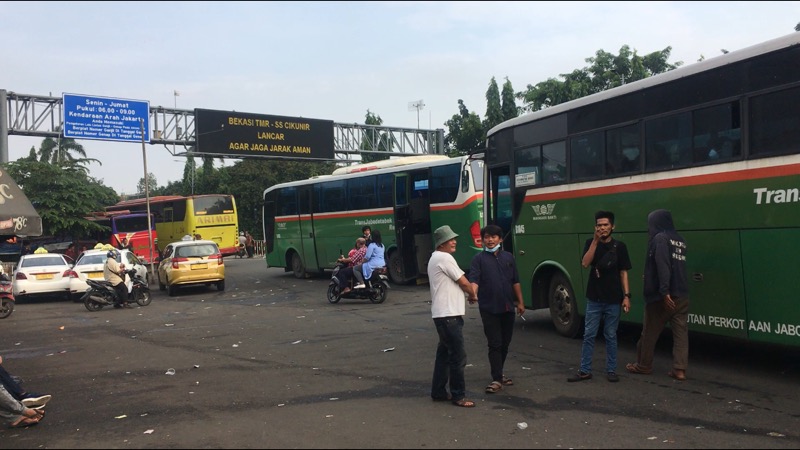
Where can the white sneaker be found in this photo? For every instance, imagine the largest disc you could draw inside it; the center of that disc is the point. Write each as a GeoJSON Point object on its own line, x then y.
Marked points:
{"type": "Point", "coordinates": [360, 286]}
{"type": "Point", "coordinates": [36, 401]}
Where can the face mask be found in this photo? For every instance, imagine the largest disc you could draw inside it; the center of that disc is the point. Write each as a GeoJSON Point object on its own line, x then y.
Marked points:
{"type": "Point", "coordinates": [492, 250]}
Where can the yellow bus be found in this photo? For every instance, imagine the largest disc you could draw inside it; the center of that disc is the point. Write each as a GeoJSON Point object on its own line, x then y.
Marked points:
{"type": "Point", "coordinates": [212, 216]}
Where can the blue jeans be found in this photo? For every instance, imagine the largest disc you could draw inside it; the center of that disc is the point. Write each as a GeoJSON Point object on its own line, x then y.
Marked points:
{"type": "Point", "coordinates": [451, 358]}
{"type": "Point", "coordinates": [610, 315]}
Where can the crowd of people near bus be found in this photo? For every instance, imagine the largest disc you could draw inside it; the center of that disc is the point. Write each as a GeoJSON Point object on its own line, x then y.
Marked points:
{"type": "Point", "coordinates": [493, 282]}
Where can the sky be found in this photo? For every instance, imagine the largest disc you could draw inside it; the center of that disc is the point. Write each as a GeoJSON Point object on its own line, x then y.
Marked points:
{"type": "Point", "coordinates": [336, 60]}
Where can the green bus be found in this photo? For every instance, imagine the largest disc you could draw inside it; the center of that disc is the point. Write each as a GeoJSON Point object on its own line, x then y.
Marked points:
{"type": "Point", "coordinates": [716, 142]}
{"type": "Point", "coordinates": [308, 224]}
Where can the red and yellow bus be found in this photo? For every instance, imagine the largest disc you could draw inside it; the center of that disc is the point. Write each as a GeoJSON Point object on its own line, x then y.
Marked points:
{"type": "Point", "coordinates": [211, 216]}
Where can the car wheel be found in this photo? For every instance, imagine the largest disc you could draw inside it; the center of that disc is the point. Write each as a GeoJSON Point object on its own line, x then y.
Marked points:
{"type": "Point", "coordinates": [161, 286]}
{"type": "Point", "coordinates": [172, 289]}
{"type": "Point", "coordinates": [221, 285]}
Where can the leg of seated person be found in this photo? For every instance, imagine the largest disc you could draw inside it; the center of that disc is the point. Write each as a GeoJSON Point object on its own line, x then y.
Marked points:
{"type": "Point", "coordinates": [10, 384]}
{"type": "Point", "coordinates": [358, 272]}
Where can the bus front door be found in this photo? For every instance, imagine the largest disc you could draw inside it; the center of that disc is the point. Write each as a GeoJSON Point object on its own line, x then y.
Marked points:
{"type": "Point", "coordinates": [402, 262]}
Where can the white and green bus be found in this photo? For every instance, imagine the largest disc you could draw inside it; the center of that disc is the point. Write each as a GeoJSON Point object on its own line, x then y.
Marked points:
{"type": "Point", "coordinates": [716, 142]}
{"type": "Point", "coordinates": [308, 224]}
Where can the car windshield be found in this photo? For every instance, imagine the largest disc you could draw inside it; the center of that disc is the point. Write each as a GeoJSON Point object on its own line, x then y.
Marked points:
{"type": "Point", "coordinates": [91, 259]}
{"type": "Point", "coordinates": [195, 251]}
{"type": "Point", "coordinates": [43, 261]}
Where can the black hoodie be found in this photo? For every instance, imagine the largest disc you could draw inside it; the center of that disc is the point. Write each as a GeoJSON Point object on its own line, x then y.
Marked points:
{"type": "Point", "coordinates": [665, 266]}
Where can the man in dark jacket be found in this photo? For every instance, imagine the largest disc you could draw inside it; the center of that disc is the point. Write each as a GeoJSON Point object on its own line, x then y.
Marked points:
{"type": "Point", "coordinates": [493, 275]}
{"type": "Point", "coordinates": [666, 293]}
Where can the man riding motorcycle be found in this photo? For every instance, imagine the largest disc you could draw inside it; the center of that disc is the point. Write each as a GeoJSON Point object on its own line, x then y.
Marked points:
{"type": "Point", "coordinates": [114, 273]}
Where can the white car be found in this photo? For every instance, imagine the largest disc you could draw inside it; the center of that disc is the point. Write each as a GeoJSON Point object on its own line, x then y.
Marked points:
{"type": "Point", "coordinates": [90, 265]}
{"type": "Point", "coordinates": [40, 274]}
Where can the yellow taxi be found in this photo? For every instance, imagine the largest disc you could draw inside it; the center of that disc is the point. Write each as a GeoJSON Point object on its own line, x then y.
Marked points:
{"type": "Point", "coordinates": [191, 262]}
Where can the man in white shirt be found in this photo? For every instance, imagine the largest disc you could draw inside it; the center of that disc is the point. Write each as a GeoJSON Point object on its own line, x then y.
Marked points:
{"type": "Point", "coordinates": [448, 285]}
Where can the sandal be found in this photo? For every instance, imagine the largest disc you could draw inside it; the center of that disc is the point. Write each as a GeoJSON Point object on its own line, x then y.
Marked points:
{"type": "Point", "coordinates": [636, 368]}
{"type": "Point", "coordinates": [494, 387]}
{"type": "Point", "coordinates": [449, 398]}
{"type": "Point", "coordinates": [507, 381]}
{"type": "Point", "coordinates": [464, 403]}
{"type": "Point", "coordinates": [24, 422]}
{"type": "Point", "coordinates": [678, 376]}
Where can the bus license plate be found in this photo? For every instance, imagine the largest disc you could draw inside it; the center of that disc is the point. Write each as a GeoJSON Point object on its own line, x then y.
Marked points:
{"type": "Point", "coordinates": [44, 276]}
{"type": "Point", "coordinates": [199, 266]}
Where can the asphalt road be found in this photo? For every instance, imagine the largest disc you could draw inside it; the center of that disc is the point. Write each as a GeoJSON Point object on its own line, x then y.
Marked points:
{"type": "Point", "coordinates": [269, 363]}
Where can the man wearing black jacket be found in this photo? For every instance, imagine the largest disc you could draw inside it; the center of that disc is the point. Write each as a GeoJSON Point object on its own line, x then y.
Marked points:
{"type": "Point", "coordinates": [666, 293]}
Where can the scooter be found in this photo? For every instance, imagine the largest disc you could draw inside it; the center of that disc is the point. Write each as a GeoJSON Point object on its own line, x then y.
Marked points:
{"type": "Point", "coordinates": [102, 293]}
{"type": "Point", "coordinates": [6, 299]}
{"type": "Point", "coordinates": [241, 252]}
{"type": "Point", "coordinates": [376, 289]}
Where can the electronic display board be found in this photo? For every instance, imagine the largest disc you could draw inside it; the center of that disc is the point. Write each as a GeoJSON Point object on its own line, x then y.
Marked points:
{"type": "Point", "coordinates": [246, 134]}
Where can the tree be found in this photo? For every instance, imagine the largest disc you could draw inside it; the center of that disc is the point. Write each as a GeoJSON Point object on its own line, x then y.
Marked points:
{"type": "Point", "coordinates": [494, 111]}
{"type": "Point", "coordinates": [373, 136]}
{"type": "Point", "coordinates": [605, 71]}
{"type": "Point", "coordinates": [152, 184]}
{"type": "Point", "coordinates": [60, 152]}
{"type": "Point", "coordinates": [509, 109]}
{"type": "Point", "coordinates": [466, 132]}
{"type": "Point", "coordinates": [62, 196]}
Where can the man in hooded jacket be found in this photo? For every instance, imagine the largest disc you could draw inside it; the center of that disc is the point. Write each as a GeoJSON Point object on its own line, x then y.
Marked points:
{"type": "Point", "coordinates": [666, 293]}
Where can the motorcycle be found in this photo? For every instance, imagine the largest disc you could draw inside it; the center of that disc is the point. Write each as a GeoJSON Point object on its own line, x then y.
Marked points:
{"type": "Point", "coordinates": [102, 293]}
{"type": "Point", "coordinates": [241, 252]}
{"type": "Point", "coordinates": [6, 299]}
{"type": "Point", "coordinates": [376, 289]}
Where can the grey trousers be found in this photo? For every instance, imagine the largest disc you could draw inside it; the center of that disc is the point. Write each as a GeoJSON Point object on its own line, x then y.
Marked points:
{"type": "Point", "coordinates": [10, 408]}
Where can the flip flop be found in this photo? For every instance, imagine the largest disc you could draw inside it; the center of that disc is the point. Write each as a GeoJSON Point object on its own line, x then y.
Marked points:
{"type": "Point", "coordinates": [25, 422]}
{"type": "Point", "coordinates": [507, 381]}
{"type": "Point", "coordinates": [675, 375]}
{"type": "Point", "coordinates": [449, 398]}
{"type": "Point", "coordinates": [494, 387]}
{"type": "Point", "coordinates": [636, 368]}
{"type": "Point", "coordinates": [464, 403]}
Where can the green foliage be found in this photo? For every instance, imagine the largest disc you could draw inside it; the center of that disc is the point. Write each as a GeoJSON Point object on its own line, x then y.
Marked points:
{"type": "Point", "coordinates": [466, 133]}
{"type": "Point", "coordinates": [494, 111]}
{"type": "Point", "coordinates": [509, 108]}
{"type": "Point", "coordinates": [372, 136]}
{"type": "Point", "coordinates": [605, 71]}
{"type": "Point", "coordinates": [62, 196]}
{"type": "Point", "coordinates": [152, 184]}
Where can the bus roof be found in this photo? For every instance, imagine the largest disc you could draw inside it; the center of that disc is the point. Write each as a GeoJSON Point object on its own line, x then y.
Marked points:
{"type": "Point", "coordinates": [402, 161]}
{"type": "Point", "coordinates": [680, 72]}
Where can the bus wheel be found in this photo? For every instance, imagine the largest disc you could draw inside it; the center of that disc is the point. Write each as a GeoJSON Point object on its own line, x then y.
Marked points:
{"type": "Point", "coordinates": [396, 269]}
{"type": "Point", "coordinates": [333, 293]}
{"type": "Point", "coordinates": [297, 266]}
{"type": "Point", "coordinates": [563, 308]}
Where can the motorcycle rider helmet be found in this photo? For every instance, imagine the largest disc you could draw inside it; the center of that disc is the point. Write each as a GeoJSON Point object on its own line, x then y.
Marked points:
{"type": "Point", "coordinates": [111, 254]}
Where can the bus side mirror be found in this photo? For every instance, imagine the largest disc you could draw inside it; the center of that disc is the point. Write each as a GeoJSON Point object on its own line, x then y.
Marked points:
{"type": "Point", "coordinates": [464, 181]}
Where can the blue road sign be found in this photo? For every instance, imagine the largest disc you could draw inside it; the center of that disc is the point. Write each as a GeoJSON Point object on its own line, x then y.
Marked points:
{"type": "Point", "coordinates": [104, 118]}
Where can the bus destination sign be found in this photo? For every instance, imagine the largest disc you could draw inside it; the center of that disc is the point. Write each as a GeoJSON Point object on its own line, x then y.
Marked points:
{"type": "Point", "coordinates": [235, 133]}
{"type": "Point", "coordinates": [104, 118]}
